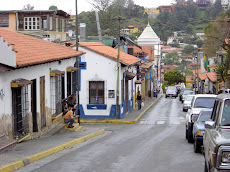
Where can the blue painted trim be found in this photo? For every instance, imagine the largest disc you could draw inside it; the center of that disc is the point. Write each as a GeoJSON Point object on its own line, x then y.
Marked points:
{"type": "Point", "coordinates": [82, 113]}
{"type": "Point", "coordinates": [96, 107]}
{"type": "Point", "coordinates": [80, 68]}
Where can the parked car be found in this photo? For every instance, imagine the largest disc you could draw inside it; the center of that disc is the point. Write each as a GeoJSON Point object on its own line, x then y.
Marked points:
{"type": "Point", "coordinates": [216, 138]}
{"type": "Point", "coordinates": [186, 93]}
{"type": "Point", "coordinates": [182, 91]}
{"type": "Point", "coordinates": [171, 92]}
{"type": "Point", "coordinates": [187, 103]}
{"type": "Point", "coordinates": [199, 128]}
{"type": "Point", "coordinates": [199, 102]}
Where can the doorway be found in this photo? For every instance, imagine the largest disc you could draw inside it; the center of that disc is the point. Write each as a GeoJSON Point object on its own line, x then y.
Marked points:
{"type": "Point", "coordinates": [34, 105]}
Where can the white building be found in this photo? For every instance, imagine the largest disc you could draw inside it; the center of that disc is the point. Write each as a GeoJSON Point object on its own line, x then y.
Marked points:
{"type": "Point", "coordinates": [35, 76]}
{"type": "Point", "coordinates": [99, 81]}
{"type": "Point", "coordinates": [149, 38]}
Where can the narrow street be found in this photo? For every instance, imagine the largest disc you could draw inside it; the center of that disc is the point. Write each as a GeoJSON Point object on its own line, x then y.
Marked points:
{"type": "Point", "coordinates": [156, 143]}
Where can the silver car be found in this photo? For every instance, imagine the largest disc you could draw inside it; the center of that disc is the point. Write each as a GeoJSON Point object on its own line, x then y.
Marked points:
{"type": "Point", "coordinates": [186, 93]}
{"type": "Point", "coordinates": [187, 103]}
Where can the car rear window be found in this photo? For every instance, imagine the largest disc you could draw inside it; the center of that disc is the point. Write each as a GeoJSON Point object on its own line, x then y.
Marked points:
{"type": "Point", "coordinates": [204, 116]}
{"type": "Point", "coordinates": [204, 102]}
{"type": "Point", "coordinates": [225, 121]}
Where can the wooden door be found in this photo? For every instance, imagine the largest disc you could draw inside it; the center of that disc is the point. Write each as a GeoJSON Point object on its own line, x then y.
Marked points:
{"type": "Point", "coordinates": [42, 101]}
{"type": "Point", "coordinates": [34, 105]}
{"type": "Point", "coordinates": [127, 94]}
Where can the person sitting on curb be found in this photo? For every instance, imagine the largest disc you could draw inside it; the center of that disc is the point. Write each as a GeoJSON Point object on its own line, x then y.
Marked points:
{"type": "Point", "coordinates": [70, 117]}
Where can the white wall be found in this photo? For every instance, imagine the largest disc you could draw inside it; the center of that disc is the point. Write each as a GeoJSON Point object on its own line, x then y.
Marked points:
{"type": "Point", "coordinates": [7, 55]}
{"type": "Point", "coordinates": [30, 73]}
{"type": "Point", "coordinates": [100, 68]}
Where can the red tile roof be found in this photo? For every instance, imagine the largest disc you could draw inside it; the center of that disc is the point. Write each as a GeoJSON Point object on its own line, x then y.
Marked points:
{"type": "Point", "coordinates": [110, 52]}
{"type": "Point", "coordinates": [212, 76]}
{"type": "Point", "coordinates": [212, 65]}
{"type": "Point", "coordinates": [189, 78]}
{"type": "Point", "coordinates": [31, 51]}
{"type": "Point", "coordinates": [202, 76]}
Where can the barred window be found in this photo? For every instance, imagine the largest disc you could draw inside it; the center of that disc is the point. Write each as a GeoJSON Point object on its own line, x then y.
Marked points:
{"type": "Point", "coordinates": [20, 105]}
{"type": "Point", "coordinates": [56, 94]}
{"type": "Point", "coordinates": [71, 82]}
{"type": "Point", "coordinates": [96, 92]}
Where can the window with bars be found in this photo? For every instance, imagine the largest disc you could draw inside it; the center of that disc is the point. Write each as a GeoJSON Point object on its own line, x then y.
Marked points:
{"type": "Point", "coordinates": [56, 85]}
{"type": "Point", "coordinates": [96, 92]}
{"type": "Point", "coordinates": [32, 23]}
{"type": "Point", "coordinates": [71, 82]}
{"type": "Point", "coordinates": [20, 105]}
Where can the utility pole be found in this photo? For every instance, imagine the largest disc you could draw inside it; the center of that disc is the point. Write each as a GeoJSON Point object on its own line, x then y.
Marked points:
{"type": "Point", "coordinates": [77, 65]}
{"type": "Point", "coordinates": [118, 63]}
{"type": "Point", "coordinates": [98, 25]}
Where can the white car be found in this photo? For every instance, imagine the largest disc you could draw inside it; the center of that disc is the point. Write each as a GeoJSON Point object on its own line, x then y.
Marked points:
{"type": "Point", "coordinates": [187, 103]}
{"type": "Point", "coordinates": [199, 102]}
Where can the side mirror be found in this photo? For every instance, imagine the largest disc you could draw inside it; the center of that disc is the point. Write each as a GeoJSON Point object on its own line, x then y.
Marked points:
{"type": "Point", "coordinates": [209, 124]}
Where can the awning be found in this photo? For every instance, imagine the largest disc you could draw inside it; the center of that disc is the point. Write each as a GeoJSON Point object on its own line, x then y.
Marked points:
{"type": "Point", "coordinates": [71, 69]}
{"type": "Point", "coordinates": [130, 75]}
{"type": "Point", "coordinates": [138, 82]}
{"type": "Point", "coordinates": [56, 72]}
{"type": "Point", "coordinates": [20, 83]}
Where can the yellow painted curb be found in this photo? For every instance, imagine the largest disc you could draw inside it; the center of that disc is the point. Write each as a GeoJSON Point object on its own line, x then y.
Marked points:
{"type": "Point", "coordinates": [46, 153]}
{"type": "Point", "coordinates": [24, 138]}
{"type": "Point", "coordinates": [11, 166]}
{"type": "Point", "coordinates": [18, 164]}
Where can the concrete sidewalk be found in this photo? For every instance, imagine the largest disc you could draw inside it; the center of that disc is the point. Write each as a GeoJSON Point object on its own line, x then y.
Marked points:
{"type": "Point", "coordinates": [30, 151]}
{"type": "Point", "coordinates": [131, 117]}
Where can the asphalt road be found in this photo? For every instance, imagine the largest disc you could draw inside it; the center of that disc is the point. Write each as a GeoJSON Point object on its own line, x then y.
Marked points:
{"type": "Point", "coordinates": [155, 144]}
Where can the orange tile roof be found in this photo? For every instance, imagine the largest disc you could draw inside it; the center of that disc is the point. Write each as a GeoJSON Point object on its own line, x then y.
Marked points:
{"type": "Point", "coordinates": [222, 84]}
{"type": "Point", "coordinates": [110, 52]}
{"type": "Point", "coordinates": [212, 65]}
{"type": "Point", "coordinates": [189, 78]}
{"type": "Point", "coordinates": [212, 76]}
{"type": "Point", "coordinates": [202, 76]}
{"type": "Point", "coordinates": [31, 51]}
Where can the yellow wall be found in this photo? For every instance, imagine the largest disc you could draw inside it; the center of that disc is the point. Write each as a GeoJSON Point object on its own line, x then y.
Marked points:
{"type": "Point", "coordinates": [189, 84]}
{"type": "Point", "coordinates": [12, 22]}
{"type": "Point", "coordinates": [131, 31]}
{"type": "Point", "coordinates": [152, 11]}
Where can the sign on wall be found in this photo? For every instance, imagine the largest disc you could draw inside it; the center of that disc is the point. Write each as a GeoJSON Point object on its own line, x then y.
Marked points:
{"type": "Point", "coordinates": [111, 94]}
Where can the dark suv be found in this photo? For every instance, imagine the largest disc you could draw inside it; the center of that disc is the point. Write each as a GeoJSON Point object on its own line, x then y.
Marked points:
{"type": "Point", "coordinates": [216, 138]}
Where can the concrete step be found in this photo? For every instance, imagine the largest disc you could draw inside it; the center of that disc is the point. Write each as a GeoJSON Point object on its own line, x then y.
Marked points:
{"type": "Point", "coordinates": [55, 130]}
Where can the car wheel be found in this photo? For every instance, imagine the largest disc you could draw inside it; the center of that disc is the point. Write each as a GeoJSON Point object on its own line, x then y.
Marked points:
{"type": "Point", "coordinates": [186, 133]}
{"type": "Point", "coordinates": [205, 167]}
{"type": "Point", "coordinates": [166, 97]}
{"type": "Point", "coordinates": [184, 110]}
{"type": "Point", "coordinates": [197, 147]}
{"type": "Point", "coordinates": [190, 138]}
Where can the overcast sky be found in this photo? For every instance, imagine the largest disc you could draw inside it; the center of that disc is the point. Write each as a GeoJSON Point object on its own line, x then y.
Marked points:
{"type": "Point", "coordinates": [69, 5]}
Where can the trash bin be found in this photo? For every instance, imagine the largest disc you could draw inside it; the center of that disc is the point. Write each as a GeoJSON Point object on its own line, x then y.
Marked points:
{"type": "Point", "coordinates": [154, 94]}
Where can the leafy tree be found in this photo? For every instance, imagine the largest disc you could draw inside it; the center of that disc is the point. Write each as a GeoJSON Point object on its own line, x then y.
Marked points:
{"type": "Point", "coordinates": [189, 49]}
{"type": "Point", "coordinates": [28, 7]}
{"type": "Point", "coordinates": [173, 77]}
{"type": "Point", "coordinates": [171, 59]}
{"type": "Point", "coordinates": [189, 29]}
{"type": "Point", "coordinates": [53, 7]}
{"type": "Point", "coordinates": [215, 10]}
{"type": "Point", "coordinates": [216, 32]}
{"type": "Point", "coordinates": [89, 19]}
{"type": "Point", "coordinates": [221, 70]}
{"type": "Point", "coordinates": [199, 43]}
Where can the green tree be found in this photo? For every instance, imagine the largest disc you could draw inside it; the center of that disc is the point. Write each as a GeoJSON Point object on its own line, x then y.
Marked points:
{"type": "Point", "coordinates": [171, 58]}
{"type": "Point", "coordinates": [189, 49]}
{"type": "Point", "coordinates": [215, 10]}
{"type": "Point", "coordinates": [199, 43]}
{"type": "Point", "coordinates": [173, 77]}
{"type": "Point", "coordinates": [221, 70]}
{"type": "Point", "coordinates": [189, 29]}
{"type": "Point", "coordinates": [216, 32]}
{"type": "Point", "coordinates": [53, 7]}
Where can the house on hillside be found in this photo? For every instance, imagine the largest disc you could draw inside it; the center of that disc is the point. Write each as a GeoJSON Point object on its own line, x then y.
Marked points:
{"type": "Point", "coordinates": [166, 8]}
{"type": "Point", "coordinates": [152, 12]}
{"type": "Point", "coordinates": [44, 24]}
{"type": "Point", "coordinates": [35, 75]}
{"type": "Point", "coordinates": [99, 87]}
